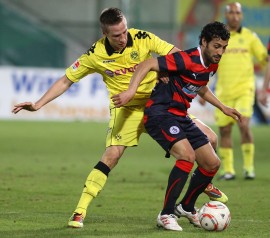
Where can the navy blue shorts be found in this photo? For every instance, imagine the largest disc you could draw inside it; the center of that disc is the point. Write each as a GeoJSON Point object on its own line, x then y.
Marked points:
{"type": "Point", "coordinates": [167, 130]}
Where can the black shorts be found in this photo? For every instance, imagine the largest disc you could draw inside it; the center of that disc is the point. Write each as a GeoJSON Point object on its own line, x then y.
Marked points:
{"type": "Point", "coordinates": [167, 130]}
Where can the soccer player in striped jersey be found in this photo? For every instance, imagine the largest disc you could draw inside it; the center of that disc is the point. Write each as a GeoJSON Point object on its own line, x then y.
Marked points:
{"type": "Point", "coordinates": [166, 119]}
{"type": "Point", "coordinates": [115, 56]}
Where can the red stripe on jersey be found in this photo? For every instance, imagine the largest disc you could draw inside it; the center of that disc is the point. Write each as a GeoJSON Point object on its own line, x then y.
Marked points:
{"type": "Point", "coordinates": [196, 82]}
{"type": "Point", "coordinates": [145, 119]}
{"type": "Point", "coordinates": [171, 64]}
{"type": "Point", "coordinates": [177, 85]}
{"type": "Point", "coordinates": [177, 112]}
{"type": "Point", "coordinates": [169, 138]}
{"type": "Point", "coordinates": [149, 103]}
{"type": "Point", "coordinates": [186, 59]}
{"type": "Point", "coordinates": [196, 67]}
{"type": "Point", "coordinates": [184, 165]}
{"type": "Point", "coordinates": [195, 53]}
{"type": "Point", "coordinates": [177, 97]}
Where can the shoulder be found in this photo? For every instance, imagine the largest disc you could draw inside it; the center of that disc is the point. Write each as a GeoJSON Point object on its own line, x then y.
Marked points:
{"type": "Point", "coordinates": [138, 34]}
{"type": "Point", "coordinates": [249, 33]}
{"type": "Point", "coordinates": [96, 48]}
{"type": "Point", "coordinates": [192, 51]}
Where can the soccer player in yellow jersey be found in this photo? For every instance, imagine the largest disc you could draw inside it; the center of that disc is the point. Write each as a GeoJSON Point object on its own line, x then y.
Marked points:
{"type": "Point", "coordinates": [115, 56]}
{"type": "Point", "coordinates": [235, 87]}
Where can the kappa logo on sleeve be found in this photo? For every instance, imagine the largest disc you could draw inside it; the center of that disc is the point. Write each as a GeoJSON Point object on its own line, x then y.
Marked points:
{"type": "Point", "coordinates": [75, 65]}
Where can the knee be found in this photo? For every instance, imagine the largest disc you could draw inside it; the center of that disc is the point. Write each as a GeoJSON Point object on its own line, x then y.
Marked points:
{"type": "Point", "coordinates": [225, 131]}
{"type": "Point", "coordinates": [213, 139]}
{"type": "Point", "coordinates": [215, 165]}
{"type": "Point", "coordinates": [212, 164]}
{"type": "Point", "coordinates": [190, 157]}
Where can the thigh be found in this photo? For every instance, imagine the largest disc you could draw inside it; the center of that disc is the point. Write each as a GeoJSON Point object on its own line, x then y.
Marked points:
{"type": "Point", "coordinates": [222, 119]}
{"type": "Point", "coordinates": [167, 130]}
{"type": "Point", "coordinates": [244, 105]}
{"type": "Point", "coordinates": [125, 126]}
{"type": "Point", "coordinates": [195, 135]}
{"type": "Point", "coordinates": [207, 158]}
{"type": "Point", "coordinates": [182, 150]}
{"type": "Point", "coordinates": [211, 135]}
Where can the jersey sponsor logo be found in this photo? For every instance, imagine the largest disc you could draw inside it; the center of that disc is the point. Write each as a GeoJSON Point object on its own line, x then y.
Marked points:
{"type": "Point", "coordinates": [134, 55]}
{"type": "Point", "coordinates": [108, 61]}
{"type": "Point", "coordinates": [195, 75]}
{"type": "Point", "coordinates": [236, 51]}
{"type": "Point", "coordinates": [191, 90]}
{"type": "Point", "coordinates": [109, 73]}
{"type": "Point", "coordinates": [75, 65]}
{"type": "Point", "coordinates": [142, 35]}
{"type": "Point", "coordinates": [91, 50]}
{"type": "Point", "coordinates": [174, 130]}
{"type": "Point", "coordinates": [123, 71]}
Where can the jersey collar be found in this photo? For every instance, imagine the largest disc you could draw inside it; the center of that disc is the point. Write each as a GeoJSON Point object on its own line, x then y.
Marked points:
{"type": "Point", "coordinates": [110, 50]}
{"type": "Point", "coordinates": [201, 58]}
{"type": "Point", "coordinates": [239, 30]}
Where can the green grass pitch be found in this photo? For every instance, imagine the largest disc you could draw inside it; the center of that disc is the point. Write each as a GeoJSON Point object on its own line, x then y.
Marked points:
{"type": "Point", "coordinates": [44, 166]}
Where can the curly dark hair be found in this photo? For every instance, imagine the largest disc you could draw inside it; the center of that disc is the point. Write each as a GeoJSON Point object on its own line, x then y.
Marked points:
{"type": "Point", "coordinates": [110, 16]}
{"type": "Point", "coordinates": [214, 30]}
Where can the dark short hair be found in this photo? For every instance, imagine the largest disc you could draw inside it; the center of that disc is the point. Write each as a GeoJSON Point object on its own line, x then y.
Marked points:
{"type": "Point", "coordinates": [110, 16]}
{"type": "Point", "coordinates": [214, 30]}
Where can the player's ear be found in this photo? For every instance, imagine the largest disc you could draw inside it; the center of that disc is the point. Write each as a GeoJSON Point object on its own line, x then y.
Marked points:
{"type": "Point", "coordinates": [204, 42]}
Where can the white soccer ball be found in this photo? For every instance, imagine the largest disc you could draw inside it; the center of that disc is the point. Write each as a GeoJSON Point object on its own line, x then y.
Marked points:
{"type": "Point", "coordinates": [214, 216]}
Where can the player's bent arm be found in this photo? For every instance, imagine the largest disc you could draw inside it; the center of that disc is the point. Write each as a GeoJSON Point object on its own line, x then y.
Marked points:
{"type": "Point", "coordinates": [138, 76]}
{"type": "Point", "coordinates": [140, 73]}
{"type": "Point", "coordinates": [57, 89]}
{"type": "Point", "coordinates": [174, 50]}
{"type": "Point", "coordinates": [263, 93]}
{"type": "Point", "coordinates": [208, 96]}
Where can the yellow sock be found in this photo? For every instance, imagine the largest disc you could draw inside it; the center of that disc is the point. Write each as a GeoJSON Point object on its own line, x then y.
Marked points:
{"type": "Point", "coordinates": [248, 156]}
{"type": "Point", "coordinates": [93, 185]}
{"type": "Point", "coordinates": [226, 156]}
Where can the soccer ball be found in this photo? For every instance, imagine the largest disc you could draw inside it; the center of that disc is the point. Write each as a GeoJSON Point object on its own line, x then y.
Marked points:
{"type": "Point", "coordinates": [214, 216]}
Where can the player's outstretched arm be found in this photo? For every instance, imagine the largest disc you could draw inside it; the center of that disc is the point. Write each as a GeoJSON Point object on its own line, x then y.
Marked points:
{"type": "Point", "coordinates": [58, 88]}
{"type": "Point", "coordinates": [262, 97]}
{"type": "Point", "coordinates": [138, 76]}
{"type": "Point", "coordinates": [208, 96]}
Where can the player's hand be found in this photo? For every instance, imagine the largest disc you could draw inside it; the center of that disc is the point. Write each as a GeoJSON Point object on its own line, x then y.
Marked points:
{"type": "Point", "coordinates": [262, 98]}
{"type": "Point", "coordinates": [163, 76]}
{"type": "Point", "coordinates": [29, 106]}
{"type": "Point", "coordinates": [121, 99]}
{"type": "Point", "coordinates": [232, 113]}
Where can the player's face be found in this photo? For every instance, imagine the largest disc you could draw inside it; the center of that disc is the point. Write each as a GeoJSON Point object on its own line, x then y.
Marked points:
{"type": "Point", "coordinates": [117, 35]}
{"type": "Point", "coordinates": [234, 16]}
{"type": "Point", "coordinates": [213, 50]}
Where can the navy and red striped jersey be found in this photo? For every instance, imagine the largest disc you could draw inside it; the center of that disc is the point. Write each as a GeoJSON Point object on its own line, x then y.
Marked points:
{"type": "Point", "coordinates": [268, 47]}
{"type": "Point", "coordinates": [187, 75]}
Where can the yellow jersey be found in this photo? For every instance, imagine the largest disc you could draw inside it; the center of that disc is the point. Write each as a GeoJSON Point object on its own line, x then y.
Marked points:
{"type": "Point", "coordinates": [235, 75]}
{"type": "Point", "coordinates": [117, 68]}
